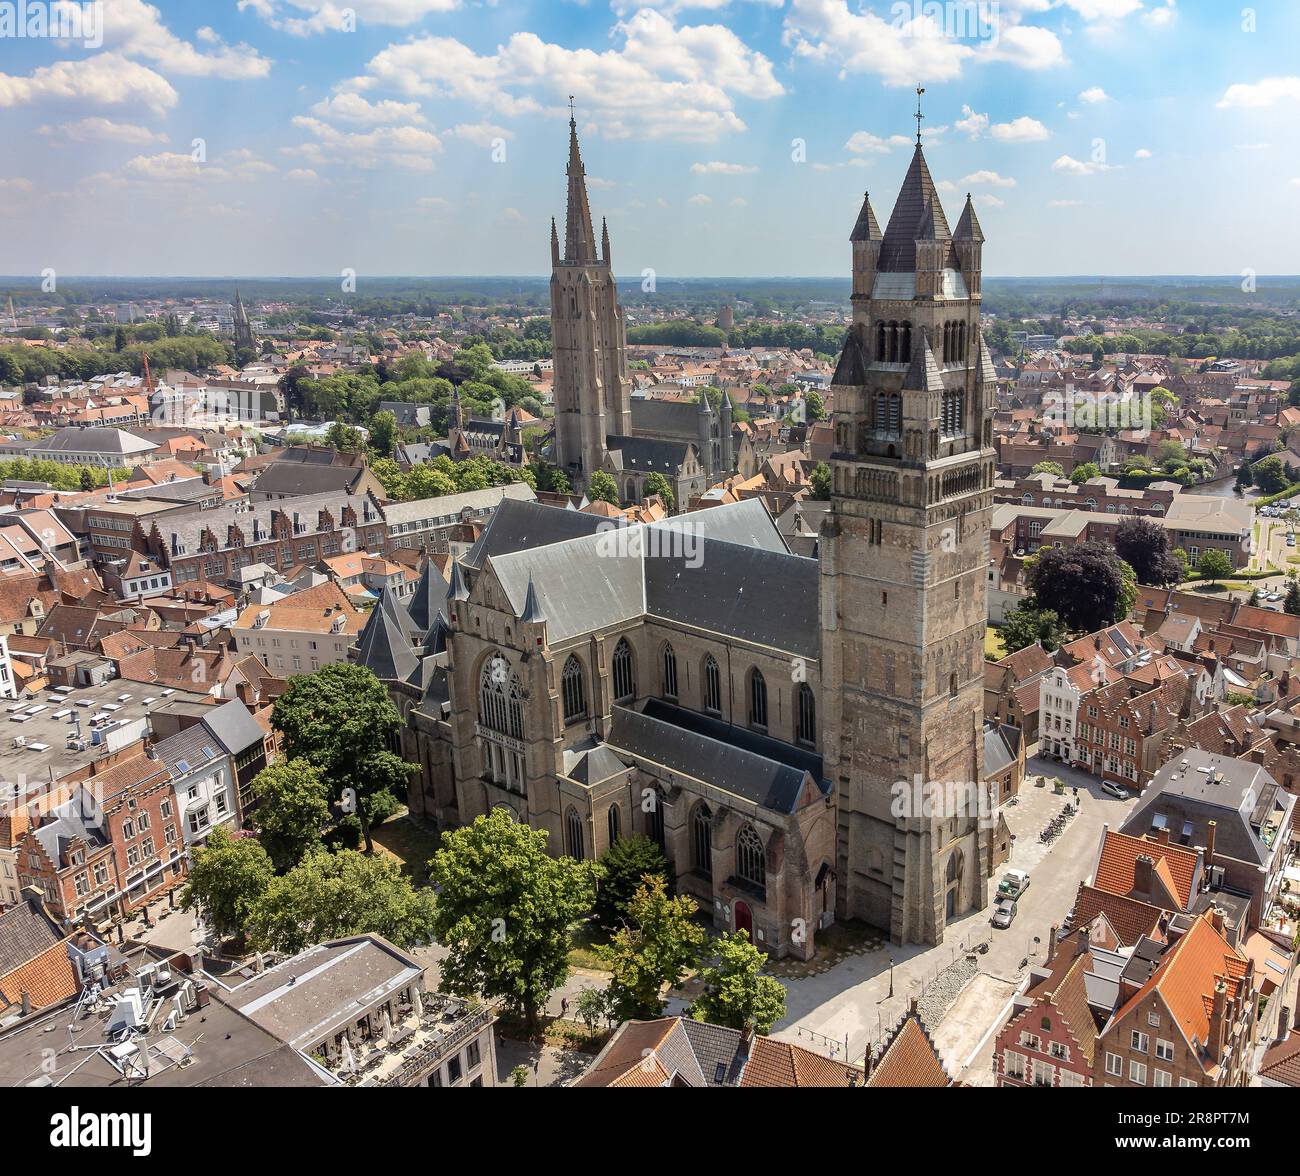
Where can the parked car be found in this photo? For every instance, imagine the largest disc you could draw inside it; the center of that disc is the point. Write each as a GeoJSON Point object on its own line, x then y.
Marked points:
{"type": "Point", "coordinates": [1005, 913]}
{"type": "Point", "coordinates": [1115, 790]}
{"type": "Point", "coordinates": [1273, 597]}
{"type": "Point", "coordinates": [1014, 883]}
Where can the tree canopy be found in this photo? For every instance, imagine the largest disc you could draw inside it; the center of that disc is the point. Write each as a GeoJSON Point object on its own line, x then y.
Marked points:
{"type": "Point", "coordinates": [1088, 586]}
{"type": "Point", "coordinates": [736, 992]}
{"type": "Point", "coordinates": [1144, 545]}
{"type": "Point", "coordinates": [330, 895]}
{"type": "Point", "coordinates": [504, 910]}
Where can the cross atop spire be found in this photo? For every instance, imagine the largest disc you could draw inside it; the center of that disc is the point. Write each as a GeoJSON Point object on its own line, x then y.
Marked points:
{"type": "Point", "coordinates": [919, 116]}
{"type": "Point", "coordinates": [573, 118]}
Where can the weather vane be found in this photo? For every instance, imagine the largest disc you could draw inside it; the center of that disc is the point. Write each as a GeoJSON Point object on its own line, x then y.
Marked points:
{"type": "Point", "coordinates": [919, 116]}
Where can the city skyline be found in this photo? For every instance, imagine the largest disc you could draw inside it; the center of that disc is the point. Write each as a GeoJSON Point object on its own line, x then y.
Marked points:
{"type": "Point", "coordinates": [721, 138]}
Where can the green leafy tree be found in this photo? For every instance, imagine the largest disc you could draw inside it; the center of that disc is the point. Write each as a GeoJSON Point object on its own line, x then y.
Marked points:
{"type": "Point", "coordinates": [1049, 467]}
{"type": "Point", "coordinates": [656, 483]}
{"type": "Point", "coordinates": [228, 876]}
{"type": "Point", "coordinates": [1269, 476]}
{"type": "Point", "coordinates": [519, 1076]}
{"type": "Point", "coordinates": [1292, 602]}
{"type": "Point", "coordinates": [1025, 625]}
{"type": "Point", "coordinates": [816, 406]}
{"type": "Point", "coordinates": [602, 488]}
{"type": "Point", "coordinates": [1214, 565]}
{"type": "Point", "coordinates": [504, 911]}
{"type": "Point", "coordinates": [340, 719]}
{"type": "Point", "coordinates": [1144, 545]}
{"type": "Point", "coordinates": [330, 895]}
{"type": "Point", "coordinates": [383, 432]}
{"type": "Point", "coordinates": [591, 1006]}
{"type": "Point", "coordinates": [736, 992]}
{"type": "Point", "coordinates": [1085, 471]}
{"type": "Point", "coordinates": [292, 809]}
{"type": "Point", "coordinates": [1244, 478]}
{"type": "Point", "coordinates": [821, 482]}
{"type": "Point", "coordinates": [626, 865]}
{"type": "Point", "coordinates": [653, 951]}
{"type": "Point", "coordinates": [1088, 586]}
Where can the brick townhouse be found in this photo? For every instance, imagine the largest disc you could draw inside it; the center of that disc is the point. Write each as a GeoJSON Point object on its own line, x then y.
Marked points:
{"type": "Point", "coordinates": [1190, 1022]}
{"type": "Point", "coordinates": [214, 545]}
{"type": "Point", "coordinates": [102, 845]}
{"type": "Point", "coordinates": [1051, 1039]}
{"type": "Point", "coordinates": [1122, 727]}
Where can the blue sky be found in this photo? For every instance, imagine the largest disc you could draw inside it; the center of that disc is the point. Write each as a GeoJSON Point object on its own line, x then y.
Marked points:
{"type": "Point", "coordinates": [723, 137]}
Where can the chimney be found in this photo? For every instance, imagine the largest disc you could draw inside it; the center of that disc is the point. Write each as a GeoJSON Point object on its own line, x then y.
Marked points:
{"type": "Point", "coordinates": [1096, 641]}
{"type": "Point", "coordinates": [1163, 836]}
{"type": "Point", "coordinates": [1142, 868]}
{"type": "Point", "coordinates": [746, 1039]}
{"type": "Point", "coordinates": [26, 1009]}
{"type": "Point", "coordinates": [1216, 919]}
{"type": "Point", "coordinates": [1210, 827]}
{"type": "Point", "coordinates": [1052, 933]}
{"type": "Point", "coordinates": [1284, 1025]}
{"type": "Point", "coordinates": [1218, 1018]}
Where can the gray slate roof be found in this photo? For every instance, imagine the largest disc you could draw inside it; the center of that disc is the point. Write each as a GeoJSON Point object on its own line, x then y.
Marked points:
{"type": "Point", "coordinates": [650, 454]}
{"type": "Point", "coordinates": [1236, 794]}
{"type": "Point", "coordinates": [24, 934]}
{"type": "Point", "coordinates": [758, 769]}
{"type": "Point", "coordinates": [233, 726]}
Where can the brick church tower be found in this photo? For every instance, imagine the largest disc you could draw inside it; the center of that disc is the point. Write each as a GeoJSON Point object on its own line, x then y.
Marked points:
{"type": "Point", "coordinates": [589, 337]}
{"type": "Point", "coordinates": [904, 556]}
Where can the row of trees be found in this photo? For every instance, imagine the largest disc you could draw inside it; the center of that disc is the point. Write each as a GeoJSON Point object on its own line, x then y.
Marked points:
{"type": "Point", "coordinates": [505, 908]}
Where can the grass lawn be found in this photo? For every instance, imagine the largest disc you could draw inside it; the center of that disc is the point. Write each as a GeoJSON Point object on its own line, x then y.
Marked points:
{"type": "Point", "coordinates": [401, 838]}
{"type": "Point", "coordinates": [993, 642]}
{"type": "Point", "coordinates": [583, 938]}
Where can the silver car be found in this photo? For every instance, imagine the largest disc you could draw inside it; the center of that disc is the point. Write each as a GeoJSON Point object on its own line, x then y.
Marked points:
{"type": "Point", "coordinates": [1004, 913]}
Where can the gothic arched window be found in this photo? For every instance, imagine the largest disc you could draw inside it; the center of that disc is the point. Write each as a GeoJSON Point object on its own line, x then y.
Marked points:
{"type": "Point", "coordinates": [670, 672]}
{"type": "Point", "coordinates": [895, 414]}
{"type": "Point", "coordinates": [574, 691]}
{"type": "Point", "coordinates": [880, 342]}
{"type": "Point", "coordinates": [712, 685]}
{"type": "Point", "coordinates": [805, 730]}
{"type": "Point", "coordinates": [757, 699]}
{"type": "Point", "coordinates": [624, 681]}
{"type": "Point", "coordinates": [702, 840]}
{"type": "Point", "coordinates": [905, 347]}
{"type": "Point", "coordinates": [500, 707]}
{"type": "Point", "coordinates": [655, 818]}
{"type": "Point", "coordinates": [573, 834]}
{"type": "Point", "coordinates": [614, 824]}
{"type": "Point", "coordinates": [961, 342]}
{"type": "Point", "coordinates": [750, 866]}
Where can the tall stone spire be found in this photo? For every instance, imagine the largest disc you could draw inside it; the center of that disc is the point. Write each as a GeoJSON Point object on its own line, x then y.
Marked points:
{"type": "Point", "coordinates": [243, 327]}
{"type": "Point", "coordinates": [555, 244]}
{"type": "Point", "coordinates": [579, 236]}
{"type": "Point", "coordinates": [588, 338]}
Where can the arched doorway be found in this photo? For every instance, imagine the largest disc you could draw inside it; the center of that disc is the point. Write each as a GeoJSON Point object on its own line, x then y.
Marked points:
{"type": "Point", "coordinates": [743, 918]}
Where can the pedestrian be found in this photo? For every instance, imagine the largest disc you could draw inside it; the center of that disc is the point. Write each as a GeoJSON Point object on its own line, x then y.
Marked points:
{"type": "Point", "coordinates": [564, 1006]}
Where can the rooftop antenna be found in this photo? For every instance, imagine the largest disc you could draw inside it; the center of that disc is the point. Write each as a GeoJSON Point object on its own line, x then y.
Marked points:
{"type": "Point", "coordinates": [573, 118]}
{"type": "Point", "coordinates": [919, 116]}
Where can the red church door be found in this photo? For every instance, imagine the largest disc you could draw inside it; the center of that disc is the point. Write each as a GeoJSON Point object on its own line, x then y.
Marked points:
{"type": "Point", "coordinates": [744, 918]}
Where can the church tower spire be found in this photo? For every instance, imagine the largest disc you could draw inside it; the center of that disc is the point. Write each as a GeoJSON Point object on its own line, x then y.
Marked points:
{"type": "Point", "coordinates": [904, 571]}
{"type": "Point", "coordinates": [579, 237]}
{"type": "Point", "coordinates": [593, 394]}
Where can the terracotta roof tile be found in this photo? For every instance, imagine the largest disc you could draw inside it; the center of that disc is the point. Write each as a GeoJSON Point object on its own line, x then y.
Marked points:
{"type": "Point", "coordinates": [1117, 865]}
{"type": "Point", "coordinates": [910, 1059]}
